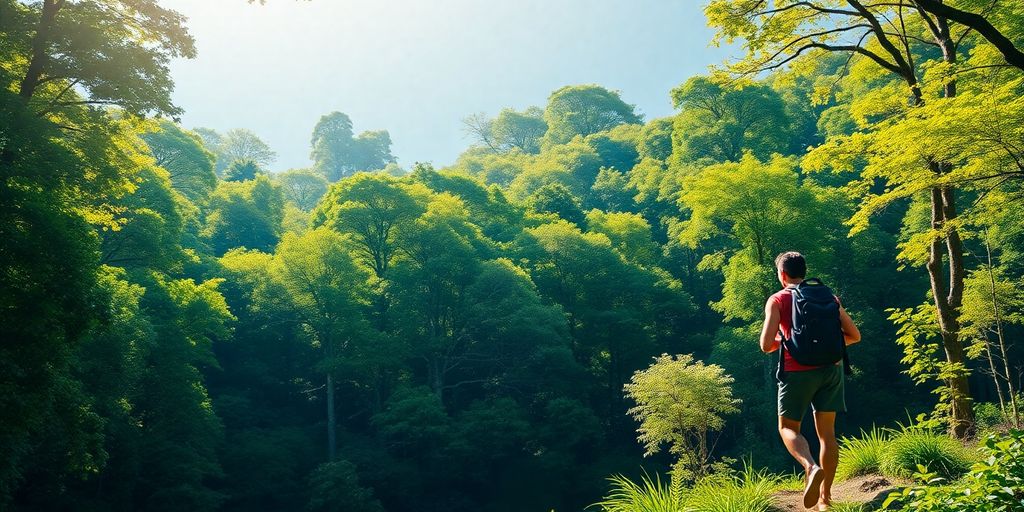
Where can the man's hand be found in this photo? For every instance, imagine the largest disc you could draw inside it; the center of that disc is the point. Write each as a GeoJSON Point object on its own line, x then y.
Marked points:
{"type": "Point", "coordinates": [772, 317]}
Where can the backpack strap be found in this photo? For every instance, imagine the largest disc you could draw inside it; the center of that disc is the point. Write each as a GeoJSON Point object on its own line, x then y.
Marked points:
{"type": "Point", "coordinates": [847, 369]}
{"type": "Point", "coordinates": [780, 374]}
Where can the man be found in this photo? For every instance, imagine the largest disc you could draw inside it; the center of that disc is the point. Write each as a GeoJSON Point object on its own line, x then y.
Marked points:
{"type": "Point", "coordinates": [821, 387]}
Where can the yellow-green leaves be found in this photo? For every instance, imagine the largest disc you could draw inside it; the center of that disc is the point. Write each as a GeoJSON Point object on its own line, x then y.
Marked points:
{"type": "Point", "coordinates": [679, 401]}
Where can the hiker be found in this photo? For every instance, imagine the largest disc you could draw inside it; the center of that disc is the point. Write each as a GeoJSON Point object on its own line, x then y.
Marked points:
{"type": "Point", "coordinates": [811, 369]}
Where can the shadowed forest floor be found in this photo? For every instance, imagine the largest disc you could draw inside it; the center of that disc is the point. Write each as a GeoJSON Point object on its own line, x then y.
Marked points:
{"type": "Point", "coordinates": [869, 489]}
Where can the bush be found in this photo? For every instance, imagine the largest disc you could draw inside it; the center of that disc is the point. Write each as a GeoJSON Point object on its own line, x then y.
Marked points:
{"type": "Point", "coordinates": [861, 455]}
{"type": "Point", "coordinates": [994, 484]}
{"type": "Point", "coordinates": [914, 446]}
{"type": "Point", "coordinates": [988, 415]}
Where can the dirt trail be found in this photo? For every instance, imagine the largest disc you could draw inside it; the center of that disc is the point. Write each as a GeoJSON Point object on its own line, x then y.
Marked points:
{"type": "Point", "coordinates": [871, 489]}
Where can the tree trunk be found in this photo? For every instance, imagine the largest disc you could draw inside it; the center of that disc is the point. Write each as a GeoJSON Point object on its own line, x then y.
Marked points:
{"type": "Point", "coordinates": [436, 375]}
{"type": "Point", "coordinates": [995, 377]}
{"type": "Point", "coordinates": [947, 306]}
{"type": "Point", "coordinates": [1014, 407]}
{"type": "Point", "coordinates": [332, 440]}
{"type": "Point", "coordinates": [948, 290]}
{"type": "Point", "coordinates": [1002, 343]}
{"type": "Point", "coordinates": [40, 43]}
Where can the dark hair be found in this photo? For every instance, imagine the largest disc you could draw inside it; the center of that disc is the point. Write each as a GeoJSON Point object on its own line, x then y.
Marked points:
{"type": "Point", "coordinates": [792, 263]}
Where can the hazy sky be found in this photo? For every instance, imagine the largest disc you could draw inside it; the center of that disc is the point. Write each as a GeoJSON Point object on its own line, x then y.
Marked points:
{"type": "Point", "coordinates": [417, 67]}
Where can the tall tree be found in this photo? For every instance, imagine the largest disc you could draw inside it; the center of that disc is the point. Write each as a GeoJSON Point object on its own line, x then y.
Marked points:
{"type": "Point", "coordinates": [240, 144]}
{"type": "Point", "coordinates": [776, 35]}
{"type": "Point", "coordinates": [244, 214]}
{"type": "Point", "coordinates": [181, 153]}
{"type": "Point", "coordinates": [721, 122]}
{"type": "Point", "coordinates": [328, 289]}
{"type": "Point", "coordinates": [585, 109]}
{"type": "Point", "coordinates": [302, 187]}
{"type": "Point", "coordinates": [336, 153]}
{"type": "Point", "coordinates": [71, 45]}
{"type": "Point", "coordinates": [331, 144]}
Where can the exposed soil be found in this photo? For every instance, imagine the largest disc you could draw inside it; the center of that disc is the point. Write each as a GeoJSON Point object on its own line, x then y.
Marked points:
{"type": "Point", "coordinates": [872, 489]}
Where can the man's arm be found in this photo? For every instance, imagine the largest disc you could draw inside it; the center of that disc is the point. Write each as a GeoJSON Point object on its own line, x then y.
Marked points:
{"type": "Point", "coordinates": [771, 327]}
{"type": "Point", "coordinates": [850, 331]}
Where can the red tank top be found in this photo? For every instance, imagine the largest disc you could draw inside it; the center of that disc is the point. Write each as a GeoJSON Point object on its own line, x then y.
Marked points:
{"type": "Point", "coordinates": [785, 302]}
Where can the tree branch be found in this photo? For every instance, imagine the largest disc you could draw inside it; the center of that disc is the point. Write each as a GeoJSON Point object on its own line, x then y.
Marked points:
{"type": "Point", "coordinates": [1013, 55]}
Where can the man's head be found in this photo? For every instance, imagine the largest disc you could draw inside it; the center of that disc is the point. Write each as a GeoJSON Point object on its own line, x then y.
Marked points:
{"type": "Point", "coordinates": [791, 267]}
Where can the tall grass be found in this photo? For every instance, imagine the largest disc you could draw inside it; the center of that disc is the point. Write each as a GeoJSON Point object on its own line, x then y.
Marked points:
{"type": "Point", "coordinates": [649, 495]}
{"type": "Point", "coordinates": [938, 452]}
{"type": "Point", "coordinates": [862, 455]}
{"type": "Point", "coordinates": [748, 490]}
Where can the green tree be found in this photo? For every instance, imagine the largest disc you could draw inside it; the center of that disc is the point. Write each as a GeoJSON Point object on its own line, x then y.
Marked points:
{"type": "Point", "coordinates": [242, 170]}
{"type": "Point", "coordinates": [373, 208]}
{"type": "Point", "coordinates": [756, 210]}
{"type": "Point", "coordinates": [558, 199]}
{"type": "Point", "coordinates": [240, 144]}
{"type": "Point", "coordinates": [180, 423]}
{"type": "Point", "coordinates": [720, 123]}
{"type": "Point", "coordinates": [64, 45]}
{"type": "Point", "coordinates": [244, 214]}
{"type": "Point", "coordinates": [48, 276]}
{"type": "Point", "coordinates": [901, 57]}
{"type": "Point", "coordinates": [337, 153]}
{"type": "Point", "coordinates": [656, 139]}
{"type": "Point", "coordinates": [629, 233]}
{"type": "Point", "coordinates": [149, 230]}
{"type": "Point", "coordinates": [612, 192]}
{"type": "Point", "coordinates": [189, 165]}
{"type": "Point", "coordinates": [509, 131]}
{"type": "Point", "coordinates": [302, 187]}
{"type": "Point", "coordinates": [583, 110]}
{"type": "Point", "coordinates": [334, 487]}
{"type": "Point", "coordinates": [519, 130]}
{"type": "Point", "coordinates": [372, 150]}
{"type": "Point", "coordinates": [679, 402]}
{"type": "Point", "coordinates": [237, 144]}
{"type": "Point", "coordinates": [328, 290]}
{"type": "Point", "coordinates": [617, 147]}
{"type": "Point", "coordinates": [440, 259]}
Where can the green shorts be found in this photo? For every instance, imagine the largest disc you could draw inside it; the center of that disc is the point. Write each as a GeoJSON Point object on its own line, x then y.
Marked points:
{"type": "Point", "coordinates": [822, 388]}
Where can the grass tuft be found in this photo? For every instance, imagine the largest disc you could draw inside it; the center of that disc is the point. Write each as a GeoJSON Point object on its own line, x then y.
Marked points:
{"type": "Point", "coordinates": [649, 495]}
{"type": "Point", "coordinates": [938, 452]}
{"type": "Point", "coordinates": [861, 455]}
{"type": "Point", "coordinates": [749, 490]}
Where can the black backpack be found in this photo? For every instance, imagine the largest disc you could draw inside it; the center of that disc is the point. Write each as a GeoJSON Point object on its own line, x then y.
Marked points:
{"type": "Point", "coordinates": [817, 335]}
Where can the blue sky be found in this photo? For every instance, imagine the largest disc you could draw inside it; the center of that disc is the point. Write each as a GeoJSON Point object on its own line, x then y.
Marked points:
{"type": "Point", "coordinates": [417, 67]}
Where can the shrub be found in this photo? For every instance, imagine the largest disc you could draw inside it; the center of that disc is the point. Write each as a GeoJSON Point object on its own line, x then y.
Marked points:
{"type": "Point", "coordinates": [993, 484]}
{"type": "Point", "coordinates": [988, 415]}
{"type": "Point", "coordinates": [914, 446]}
{"type": "Point", "coordinates": [861, 455]}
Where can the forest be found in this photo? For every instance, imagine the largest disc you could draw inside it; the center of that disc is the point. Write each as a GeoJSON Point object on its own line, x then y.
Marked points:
{"type": "Point", "coordinates": [563, 319]}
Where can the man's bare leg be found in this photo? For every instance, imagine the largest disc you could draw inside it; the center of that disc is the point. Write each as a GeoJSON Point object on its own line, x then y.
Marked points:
{"type": "Point", "coordinates": [795, 442]}
{"type": "Point", "coordinates": [825, 426]}
{"type": "Point", "coordinates": [797, 445]}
